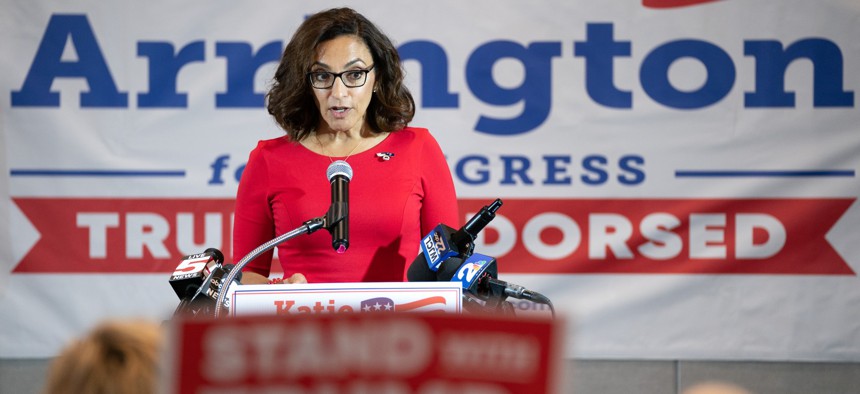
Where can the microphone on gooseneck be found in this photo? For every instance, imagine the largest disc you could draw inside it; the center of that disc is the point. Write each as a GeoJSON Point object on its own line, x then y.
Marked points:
{"type": "Point", "coordinates": [339, 174]}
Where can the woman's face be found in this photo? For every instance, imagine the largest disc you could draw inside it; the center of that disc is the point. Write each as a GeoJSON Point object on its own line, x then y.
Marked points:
{"type": "Point", "coordinates": [344, 108]}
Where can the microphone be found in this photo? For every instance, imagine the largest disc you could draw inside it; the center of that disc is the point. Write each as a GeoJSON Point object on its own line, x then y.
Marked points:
{"type": "Point", "coordinates": [436, 248]}
{"type": "Point", "coordinates": [215, 282]}
{"type": "Point", "coordinates": [443, 243]}
{"type": "Point", "coordinates": [197, 281]}
{"type": "Point", "coordinates": [496, 286]}
{"type": "Point", "coordinates": [471, 272]}
{"type": "Point", "coordinates": [479, 276]}
{"type": "Point", "coordinates": [464, 238]}
{"type": "Point", "coordinates": [339, 174]}
{"type": "Point", "coordinates": [190, 274]}
{"type": "Point", "coordinates": [202, 301]}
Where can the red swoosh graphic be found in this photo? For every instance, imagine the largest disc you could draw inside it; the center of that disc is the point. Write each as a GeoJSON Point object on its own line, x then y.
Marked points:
{"type": "Point", "coordinates": [419, 303]}
{"type": "Point", "coordinates": [673, 3]}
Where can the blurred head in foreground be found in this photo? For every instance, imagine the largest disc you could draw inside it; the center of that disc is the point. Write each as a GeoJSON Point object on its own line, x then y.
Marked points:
{"type": "Point", "coordinates": [118, 357]}
{"type": "Point", "coordinates": [715, 388]}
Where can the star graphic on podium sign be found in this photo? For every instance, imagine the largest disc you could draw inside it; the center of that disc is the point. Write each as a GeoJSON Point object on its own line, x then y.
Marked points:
{"type": "Point", "coordinates": [379, 304]}
{"type": "Point", "coordinates": [387, 305]}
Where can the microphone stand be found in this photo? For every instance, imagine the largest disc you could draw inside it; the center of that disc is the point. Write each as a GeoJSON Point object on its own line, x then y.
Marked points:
{"type": "Point", "coordinates": [332, 217]}
{"type": "Point", "coordinates": [183, 307]}
{"type": "Point", "coordinates": [497, 300]}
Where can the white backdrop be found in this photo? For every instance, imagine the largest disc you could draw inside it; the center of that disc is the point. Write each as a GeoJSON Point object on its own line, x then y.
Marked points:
{"type": "Point", "coordinates": [679, 180]}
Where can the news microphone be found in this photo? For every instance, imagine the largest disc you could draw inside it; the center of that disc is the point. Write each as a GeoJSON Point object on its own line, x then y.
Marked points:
{"type": "Point", "coordinates": [193, 271]}
{"type": "Point", "coordinates": [470, 272]}
{"type": "Point", "coordinates": [479, 276]}
{"type": "Point", "coordinates": [464, 238]}
{"type": "Point", "coordinates": [443, 243]}
{"type": "Point", "coordinates": [339, 174]}
{"type": "Point", "coordinates": [190, 278]}
{"type": "Point", "coordinates": [215, 282]}
{"type": "Point", "coordinates": [496, 286]}
{"type": "Point", "coordinates": [436, 248]}
{"type": "Point", "coordinates": [202, 302]}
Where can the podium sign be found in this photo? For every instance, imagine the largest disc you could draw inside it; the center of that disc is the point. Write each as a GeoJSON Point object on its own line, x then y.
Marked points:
{"type": "Point", "coordinates": [286, 299]}
{"type": "Point", "coordinates": [390, 353]}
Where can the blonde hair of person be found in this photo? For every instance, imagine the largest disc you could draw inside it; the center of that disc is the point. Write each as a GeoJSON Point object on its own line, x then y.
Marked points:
{"type": "Point", "coordinates": [715, 387]}
{"type": "Point", "coordinates": [117, 357]}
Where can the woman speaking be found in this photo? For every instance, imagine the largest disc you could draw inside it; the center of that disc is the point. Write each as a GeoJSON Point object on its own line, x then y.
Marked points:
{"type": "Point", "coordinates": [338, 93]}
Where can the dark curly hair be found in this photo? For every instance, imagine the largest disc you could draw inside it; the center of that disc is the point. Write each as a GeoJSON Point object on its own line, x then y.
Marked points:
{"type": "Point", "coordinates": [291, 101]}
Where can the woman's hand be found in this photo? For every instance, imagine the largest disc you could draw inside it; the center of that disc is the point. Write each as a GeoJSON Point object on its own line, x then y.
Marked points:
{"type": "Point", "coordinates": [297, 279]}
{"type": "Point", "coordinates": [253, 278]}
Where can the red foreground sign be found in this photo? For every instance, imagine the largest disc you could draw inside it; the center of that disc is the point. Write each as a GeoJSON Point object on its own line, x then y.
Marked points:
{"type": "Point", "coordinates": [633, 236]}
{"type": "Point", "coordinates": [366, 353]}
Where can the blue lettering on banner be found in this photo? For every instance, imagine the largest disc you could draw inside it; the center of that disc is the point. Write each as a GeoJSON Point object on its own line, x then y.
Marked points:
{"type": "Point", "coordinates": [595, 168]}
{"type": "Point", "coordinates": [534, 93]}
{"type": "Point", "coordinates": [164, 67]}
{"type": "Point", "coordinates": [631, 170]}
{"type": "Point", "coordinates": [481, 175]}
{"type": "Point", "coordinates": [218, 166]}
{"type": "Point", "coordinates": [598, 49]}
{"type": "Point", "coordinates": [772, 62]}
{"type": "Point", "coordinates": [556, 170]}
{"type": "Point", "coordinates": [48, 65]}
{"type": "Point", "coordinates": [720, 71]}
{"type": "Point", "coordinates": [242, 64]}
{"type": "Point", "coordinates": [516, 167]}
{"type": "Point", "coordinates": [434, 73]}
{"type": "Point", "coordinates": [476, 170]}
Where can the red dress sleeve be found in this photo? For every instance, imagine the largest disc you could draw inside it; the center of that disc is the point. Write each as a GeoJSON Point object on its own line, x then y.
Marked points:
{"type": "Point", "coordinates": [253, 222]}
{"type": "Point", "coordinates": [440, 199]}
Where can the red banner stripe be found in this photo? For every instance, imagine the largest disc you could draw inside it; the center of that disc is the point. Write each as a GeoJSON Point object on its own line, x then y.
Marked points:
{"type": "Point", "coordinates": [575, 236]}
{"type": "Point", "coordinates": [673, 3]}
{"type": "Point", "coordinates": [419, 304]}
{"type": "Point", "coordinates": [805, 222]}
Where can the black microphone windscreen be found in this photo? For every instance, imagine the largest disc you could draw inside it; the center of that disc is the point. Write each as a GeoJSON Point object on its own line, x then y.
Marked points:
{"type": "Point", "coordinates": [216, 255]}
{"type": "Point", "coordinates": [419, 271]}
{"type": "Point", "coordinates": [448, 269]}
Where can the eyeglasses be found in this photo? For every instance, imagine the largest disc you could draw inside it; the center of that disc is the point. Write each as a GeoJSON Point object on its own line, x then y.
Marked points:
{"type": "Point", "coordinates": [350, 78]}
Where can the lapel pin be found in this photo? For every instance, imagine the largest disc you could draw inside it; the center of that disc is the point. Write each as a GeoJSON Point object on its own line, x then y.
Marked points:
{"type": "Point", "coordinates": [385, 155]}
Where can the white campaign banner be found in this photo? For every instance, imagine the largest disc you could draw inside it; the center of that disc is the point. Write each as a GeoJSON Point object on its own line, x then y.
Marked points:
{"type": "Point", "coordinates": [678, 176]}
{"type": "Point", "coordinates": [331, 298]}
